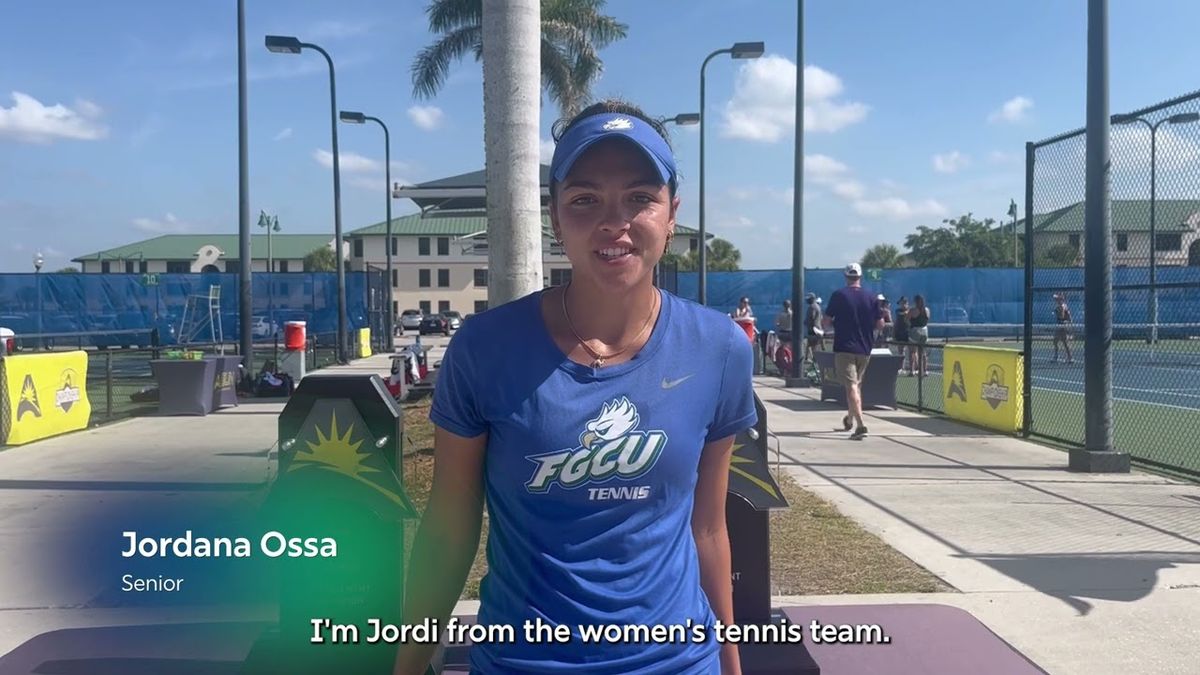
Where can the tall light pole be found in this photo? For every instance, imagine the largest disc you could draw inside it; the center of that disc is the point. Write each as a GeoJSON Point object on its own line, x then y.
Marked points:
{"type": "Point", "coordinates": [271, 224]}
{"type": "Point", "coordinates": [740, 50]}
{"type": "Point", "coordinates": [291, 45]}
{"type": "Point", "coordinates": [358, 118]}
{"type": "Point", "coordinates": [799, 309]}
{"type": "Point", "coordinates": [1181, 118]}
{"type": "Point", "coordinates": [245, 285]}
{"type": "Point", "coordinates": [38, 261]}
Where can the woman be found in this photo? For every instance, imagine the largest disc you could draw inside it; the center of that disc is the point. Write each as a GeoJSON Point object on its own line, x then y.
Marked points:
{"type": "Point", "coordinates": [813, 321]}
{"type": "Point", "coordinates": [743, 310]}
{"type": "Point", "coordinates": [884, 334]}
{"type": "Point", "coordinates": [902, 337]}
{"type": "Point", "coordinates": [918, 322]}
{"type": "Point", "coordinates": [604, 450]}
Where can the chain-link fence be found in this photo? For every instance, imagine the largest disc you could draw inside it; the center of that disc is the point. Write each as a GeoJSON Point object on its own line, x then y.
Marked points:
{"type": "Point", "coordinates": [1155, 253]}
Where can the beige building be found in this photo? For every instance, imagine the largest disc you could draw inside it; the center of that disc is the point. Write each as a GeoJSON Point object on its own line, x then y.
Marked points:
{"type": "Point", "coordinates": [197, 253]}
{"type": "Point", "coordinates": [439, 254]}
{"type": "Point", "coordinates": [1177, 231]}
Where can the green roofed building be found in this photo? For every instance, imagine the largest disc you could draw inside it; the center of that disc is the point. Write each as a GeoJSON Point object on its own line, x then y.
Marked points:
{"type": "Point", "coordinates": [195, 253]}
{"type": "Point", "coordinates": [440, 253]}
{"type": "Point", "coordinates": [1177, 231]}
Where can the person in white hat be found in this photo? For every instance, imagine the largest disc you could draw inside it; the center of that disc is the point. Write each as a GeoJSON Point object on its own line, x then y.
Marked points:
{"type": "Point", "coordinates": [855, 314]}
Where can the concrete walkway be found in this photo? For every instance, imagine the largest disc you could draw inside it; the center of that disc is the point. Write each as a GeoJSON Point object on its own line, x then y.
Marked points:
{"type": "Point", "coordinates": [1082, 573]}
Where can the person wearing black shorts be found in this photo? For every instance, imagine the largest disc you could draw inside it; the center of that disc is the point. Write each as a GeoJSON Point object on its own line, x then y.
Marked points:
{"type": "Point", "coordinates": [900, 331]}
{"type": "Point", "coordinates": [1062, 333]}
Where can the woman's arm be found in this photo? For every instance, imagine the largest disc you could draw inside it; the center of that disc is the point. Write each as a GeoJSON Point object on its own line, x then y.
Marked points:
{"type": "Point", "coordinates": [712, 540]}
{"type": "Point", "coordinates": [446, 542]}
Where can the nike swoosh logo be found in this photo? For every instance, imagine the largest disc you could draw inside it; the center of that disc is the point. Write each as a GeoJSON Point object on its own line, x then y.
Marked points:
{"type": "Point", "coordinates": [670, 384]}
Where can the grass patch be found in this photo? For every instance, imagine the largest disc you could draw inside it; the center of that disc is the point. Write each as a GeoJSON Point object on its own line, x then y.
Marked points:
{"type": "Point", "coordinates": [815, 550]}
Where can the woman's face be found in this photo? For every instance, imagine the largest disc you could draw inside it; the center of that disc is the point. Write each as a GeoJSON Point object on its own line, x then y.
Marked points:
{"type": "Point", "coordinates": [613, 215]}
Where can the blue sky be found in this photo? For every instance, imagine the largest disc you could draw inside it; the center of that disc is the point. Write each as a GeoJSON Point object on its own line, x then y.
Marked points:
{"type": "Point", "coordinates": [118, 120]}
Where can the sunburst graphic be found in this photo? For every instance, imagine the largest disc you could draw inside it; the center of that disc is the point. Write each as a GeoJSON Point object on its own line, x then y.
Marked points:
{"type": "Point", "coordinates": [737, 459]}
{"type": "Point", "coordinates": [338, 453]}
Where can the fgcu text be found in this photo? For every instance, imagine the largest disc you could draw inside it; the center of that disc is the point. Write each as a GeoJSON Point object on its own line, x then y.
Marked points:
{"type": "Point", "coordinates": [272, 544]}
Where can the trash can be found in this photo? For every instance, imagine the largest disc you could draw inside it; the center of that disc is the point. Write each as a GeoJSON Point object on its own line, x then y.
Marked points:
{"type": "Point", "coordinates": [294, 337]}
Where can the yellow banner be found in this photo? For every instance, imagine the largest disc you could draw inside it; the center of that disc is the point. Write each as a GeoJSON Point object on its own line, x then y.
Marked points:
{"type": "Point", "coordinates": [44, 395]}
{"type": "Point", "coordinates": [983, 386]}
{"type": "Point", "coordinates": [364, 342]}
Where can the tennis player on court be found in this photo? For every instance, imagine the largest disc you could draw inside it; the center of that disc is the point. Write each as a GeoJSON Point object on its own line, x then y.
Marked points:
{"type": "Point", "coordinates": [596, 421]}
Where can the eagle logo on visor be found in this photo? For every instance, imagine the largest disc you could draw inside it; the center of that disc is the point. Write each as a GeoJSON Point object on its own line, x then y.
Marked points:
{"type": "Point", "coordinates": [618, 124]}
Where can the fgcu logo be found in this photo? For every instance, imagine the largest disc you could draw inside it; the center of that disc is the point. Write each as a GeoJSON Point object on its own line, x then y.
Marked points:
{"type": "Point", "coordinates": [994, 391]}
{"type": "Point", "coordinates": [609, 447]}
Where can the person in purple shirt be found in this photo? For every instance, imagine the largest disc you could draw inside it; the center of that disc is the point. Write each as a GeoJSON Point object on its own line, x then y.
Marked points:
{"type": "Point", "coordinates": [855, 315]}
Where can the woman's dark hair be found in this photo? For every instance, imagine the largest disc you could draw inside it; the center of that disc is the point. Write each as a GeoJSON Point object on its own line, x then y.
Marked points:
{"type": "Point", "coordinates": [919, 301]}
{"type": "Point", "coordinates": [611, 105]}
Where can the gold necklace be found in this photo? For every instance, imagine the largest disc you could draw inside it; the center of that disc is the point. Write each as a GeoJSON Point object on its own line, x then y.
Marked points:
{"type": "Point", "coordinates": [598, 359]}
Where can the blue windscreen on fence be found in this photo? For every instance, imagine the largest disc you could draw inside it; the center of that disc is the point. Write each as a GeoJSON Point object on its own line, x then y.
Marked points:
{"type": "Point", "coordinates": [69, 303]}
{"type": "Point", "coordinates": [960, 295]}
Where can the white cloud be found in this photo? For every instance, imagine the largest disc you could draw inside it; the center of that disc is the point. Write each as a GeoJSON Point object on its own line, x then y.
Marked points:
{"type": "Point", "coordinates": [950, 162]}
{"type": "Point", "coordinates": [895, 208]}
{"type": "Point", "coordinates": [168, 225]}
{"type": "Point", "coordinates": [849, 189]}
{"type": "Point", "coordinates": [823, 167]}
{"type": "Point", "coordinates": [546, 150]}
{"type": "Point", "coordinates": [763, 107]}
{"type": "Point", "coordinates": [427, 117]}
{"type": "Point", "coordinates": [1013, 110]}
{"type": "Point", "coordinates": [30, 121]}
{"type": "Point", "coordinates": [283, 133]}
{"type": "Point", "coordinates": [349, 162]}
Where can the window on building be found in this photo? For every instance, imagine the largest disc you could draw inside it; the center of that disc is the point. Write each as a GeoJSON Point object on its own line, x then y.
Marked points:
{"type": "Point", "coordinates": [177, 267]}
{"type": "Point", "coordinates": [1168, 242]}
{"type": "Point", "coordinates": [481, 278]}
{"type": "Point", "coordinates": [282, 265]}
{"type": "Point", "coordinates": [1122, 241]}
{"type": "Point", "coordinates": [104, 267]}
{"type": "Point", "coordinates": [395, 278]}
{"type": "Point", "coordinates": [443, 305]}
{"type": "Point", "coordinates": [395, 308]}
{"type": "Point", "coordinates": [233, 266]}
{"type": "Point", "coordinates": [560, 277]}
{"type": "Point", "coordinates": [422, 245]}
{"type": "Point", "coordinates": [1074, 240]}
{"type": "Point", "coordinates": [443, 278]}
{"type": "Point", "coordinates": [693, 244]}
{"type": "Point", "coordinates": [424, 307]}
{"type": "Point", "coordinates": [423, 279]}
{"type": "Point", "coordinates": [129, 266]}
{"type": "Point", "coordinates": [143, 267]}
{"type": "Point", "coordinates": [395, 246]}
{"type": "Point", "coordinates": [480, 306]}
{"type": "Point", "coordinates": [358, 247]}
{"type": "Point", "coordinates": [443, 245]}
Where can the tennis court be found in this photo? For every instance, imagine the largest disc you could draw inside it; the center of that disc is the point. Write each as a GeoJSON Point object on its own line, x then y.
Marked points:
{"type": "Point", "coordinates": [1156, 387]}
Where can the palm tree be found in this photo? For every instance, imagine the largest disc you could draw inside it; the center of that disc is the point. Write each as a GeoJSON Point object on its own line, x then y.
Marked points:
{"type": "Point", "coordinates": [511, 110]}
{"type": "Point", "coordinates": [881, 255]}
{"type": "Point", "coordinates": [572, 33]}
{"type": "Point", "coordinates": [723, 256]}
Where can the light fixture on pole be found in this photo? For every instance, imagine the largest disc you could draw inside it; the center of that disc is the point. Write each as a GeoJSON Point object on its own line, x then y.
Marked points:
{"type": "Point", "coordinates": [38, 261]}
{"type": "Point", "coordinates": [281, 44]}
{"type": "Point", "coordinates": [351, 117]}
{"type": "Point", "coordinates": [683, 119]}
{"type": "Point", "coordinates": [1181, 118]}
{"type": "Point", "coordinates": [740, 50]}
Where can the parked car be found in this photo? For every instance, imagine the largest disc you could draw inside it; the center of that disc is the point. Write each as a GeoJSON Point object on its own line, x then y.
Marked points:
{"type": "Point", "coordinates": [453, 319]}
{"type": "Point", "coordinates": [434, 323]}
{"type": "Point", "coordinates": [8, 341]}
{"type": "Point", "coordinates": [410, 319]}
{"type": "Point", "coordinates": [263, 327]}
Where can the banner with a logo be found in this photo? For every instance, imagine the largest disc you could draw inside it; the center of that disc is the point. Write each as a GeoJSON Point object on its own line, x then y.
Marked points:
{"type": "Point", "coordinates": [983, 386]}
{"type": "Point", "coordinates": [43, 395]}
{"type": "Point", "coordinates": [364, 342]}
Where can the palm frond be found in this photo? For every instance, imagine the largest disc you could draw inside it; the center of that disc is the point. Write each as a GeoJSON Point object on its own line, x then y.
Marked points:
{"type": "Point", "coordinates": [448, 15]}
{"type": "Point", "coordinates": [556, 77]}
{"type": "Point", "coordinates": [585, 15]}
{"type": "Point", "coordinates": [432, 64]}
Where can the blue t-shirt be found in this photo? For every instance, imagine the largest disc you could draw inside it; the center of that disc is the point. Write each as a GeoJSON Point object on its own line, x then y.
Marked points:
{"type": "Point", "coordinates": [854, 311]}
{"type": "Point", "coordinates": [590, 477]}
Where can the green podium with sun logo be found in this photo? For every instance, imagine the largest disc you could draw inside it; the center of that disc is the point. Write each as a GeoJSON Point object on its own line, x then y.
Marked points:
{"type": "Point", "coordinates": [339, 493]}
